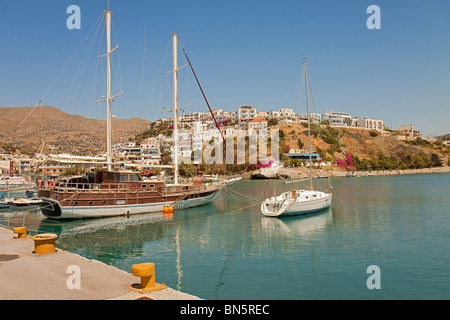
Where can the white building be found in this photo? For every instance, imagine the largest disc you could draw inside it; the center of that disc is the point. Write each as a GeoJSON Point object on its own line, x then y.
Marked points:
{"type": "Point", "coordinates": [185, 145]}
{"type": "Point", "coordinates": [210, 134]}
{"type": "Point", "coordinates": [409, 132]}
{"type": "Point", "coordinates": [315, 117]}
{"type": "Point", "coordinates": [257, 124]}
{"type": "Point", "coordinates": [233, 131]}
{"type": "Point", "coordinates": [284, 115]}
{"type": "Point", "coordinates": [188, 119]}
{"type": "Point", "coordinates": [245, 114]}
{"type": "Point", "coordinates": [368, 123]}
{"type": "Point", "coordinates": [221, 116]}
{"type": "Point", "coordinates": [263, 114]}
{"type": "Point", "coordinates": [334, 118]}
{"type": "Point", "coordinates": [150, 151]}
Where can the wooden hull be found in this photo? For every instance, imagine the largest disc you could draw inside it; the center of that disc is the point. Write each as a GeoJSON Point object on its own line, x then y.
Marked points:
{"type": "Point", "coordinates": [91, 205]}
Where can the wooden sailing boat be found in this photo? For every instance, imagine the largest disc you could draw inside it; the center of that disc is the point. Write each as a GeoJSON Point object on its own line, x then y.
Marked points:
{"type": "Point", "coordinates": [298, 201]}
{"type": "Point", "coordinates": [109, 193]}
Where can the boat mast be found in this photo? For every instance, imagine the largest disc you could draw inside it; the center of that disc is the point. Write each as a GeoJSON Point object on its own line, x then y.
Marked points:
{"type": "Point", "coordinates": [108, 89]}
{"type": "Point", "coordinates": [175, 106]}
{"type": "Point", "coordinates": [309, 127]}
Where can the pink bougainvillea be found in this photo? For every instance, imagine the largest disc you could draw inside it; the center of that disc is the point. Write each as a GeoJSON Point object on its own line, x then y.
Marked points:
{"type": "Point", "coordinates": [348, 164]}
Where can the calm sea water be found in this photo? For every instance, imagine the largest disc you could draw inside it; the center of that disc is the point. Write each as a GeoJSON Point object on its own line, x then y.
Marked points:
{"type": "Point", "coordinates": [229, 250]}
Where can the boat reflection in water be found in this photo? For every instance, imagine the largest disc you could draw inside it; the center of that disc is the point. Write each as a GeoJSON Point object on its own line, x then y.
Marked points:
{"type": "Point", "coordinates": [295, 226]}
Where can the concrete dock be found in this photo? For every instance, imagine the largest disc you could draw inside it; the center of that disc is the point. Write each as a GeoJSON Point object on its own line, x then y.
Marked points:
{"type": "Point", "coordinates": [25, 275]}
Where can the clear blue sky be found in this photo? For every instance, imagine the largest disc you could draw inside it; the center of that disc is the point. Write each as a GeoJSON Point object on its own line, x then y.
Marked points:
{"type": "Point", "coordinates": [245, 52]}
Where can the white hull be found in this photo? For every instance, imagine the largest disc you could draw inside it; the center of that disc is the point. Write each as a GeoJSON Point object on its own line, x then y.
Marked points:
{"type": "Point", "coordinates": [284, 205]}
{"type": "Point", "coordinates": [266, 173]}
{"type": "Point", "coordinates": [24, 203]}
{"type": "Point", "coordinates": [54, 210]}
{"type": "Point", "coordinates": [14, 182]}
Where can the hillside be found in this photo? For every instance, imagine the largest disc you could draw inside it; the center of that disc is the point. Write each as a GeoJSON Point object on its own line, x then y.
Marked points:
{"type": "Point", "coordinates": [24, 128]}
{"type": "Point", "coordinates": [336, 143]}
{"type": "Point", "coordinates": [444, 137]}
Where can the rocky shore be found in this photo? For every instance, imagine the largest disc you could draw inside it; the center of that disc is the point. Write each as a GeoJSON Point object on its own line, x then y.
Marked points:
{"type": "Point", "coordinates": [295, 173]}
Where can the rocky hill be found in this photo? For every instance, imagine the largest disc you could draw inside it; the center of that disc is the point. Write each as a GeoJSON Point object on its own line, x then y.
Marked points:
{"type": "Point", "coordinates": [444, 137]}
{"type": "Point", "coordinates": [26, 127]}
{"type": "Point", "coordinates": [365, 145]}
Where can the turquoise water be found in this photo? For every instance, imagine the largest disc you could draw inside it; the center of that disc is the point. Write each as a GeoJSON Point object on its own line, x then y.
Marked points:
{"type": "Point", "coordinates": [229, 250]}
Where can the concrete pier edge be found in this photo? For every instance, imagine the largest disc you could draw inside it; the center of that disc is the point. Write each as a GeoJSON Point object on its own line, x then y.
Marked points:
{"type": "Point", "coordinates": [25, 275]}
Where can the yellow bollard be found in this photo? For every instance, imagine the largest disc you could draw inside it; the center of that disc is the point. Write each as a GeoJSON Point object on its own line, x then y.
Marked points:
{"type": "Point", "coordinates": [146, 271]}
{"type": "Point", "coordinates": [21, 232]}
{"type": "Point", "coordinates": [44, 243]}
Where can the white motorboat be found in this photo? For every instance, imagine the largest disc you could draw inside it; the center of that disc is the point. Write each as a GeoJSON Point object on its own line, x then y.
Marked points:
{"type": "Point", "coordinates": [24, 202]}
{"type": "Point", "coordinates": [8, 182]}
{"type": "Point", "coordinates": [210, 177]}
{"type": "Point", "coordinates": [269, 172]}
{"type": "Point", "coordinates": [298, 201]}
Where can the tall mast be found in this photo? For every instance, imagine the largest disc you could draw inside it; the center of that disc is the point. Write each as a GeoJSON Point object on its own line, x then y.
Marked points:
{"type": "Point", "coordinates": [309, 127]}
{"type": "Point", "coordinates": [108, 89]}
{"type": "Point", "coordinates": [175, 106]}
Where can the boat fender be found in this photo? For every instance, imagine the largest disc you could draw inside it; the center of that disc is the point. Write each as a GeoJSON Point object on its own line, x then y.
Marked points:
{"type": "Point", "coordinates": [167, 210]}
{"type": "Point", "coordinates": [52, 184]}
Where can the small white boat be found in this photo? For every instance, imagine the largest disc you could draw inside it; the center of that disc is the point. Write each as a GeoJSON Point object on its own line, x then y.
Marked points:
{"type": "Point", "coordinates": [270, 172]}
{"type": "Point", "coordinates": [4, 204]}
{"type": "Point", "coordinates": [14, 182]}
{"type": "Point", "coordinates": [210, 177]}
{"type": "Point", "coordinates": [296, 202]}
{"type": "Point", "coordinates": [24, 202]}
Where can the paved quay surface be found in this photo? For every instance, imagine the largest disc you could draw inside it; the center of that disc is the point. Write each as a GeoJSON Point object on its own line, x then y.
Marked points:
{"type": "Point", "coordinates": [25, 275]}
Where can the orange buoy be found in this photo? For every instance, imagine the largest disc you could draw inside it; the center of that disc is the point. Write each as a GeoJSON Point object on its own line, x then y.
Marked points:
{"type": "Point", "coordinates": [168, 210]}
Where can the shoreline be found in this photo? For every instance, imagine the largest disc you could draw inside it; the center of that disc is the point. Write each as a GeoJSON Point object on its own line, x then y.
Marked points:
{"type": "Point", "coordinates": [303, 172]}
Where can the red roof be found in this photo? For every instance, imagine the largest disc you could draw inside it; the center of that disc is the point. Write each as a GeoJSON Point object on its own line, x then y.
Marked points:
{"type": "Point", "coordinates": [257, 120]}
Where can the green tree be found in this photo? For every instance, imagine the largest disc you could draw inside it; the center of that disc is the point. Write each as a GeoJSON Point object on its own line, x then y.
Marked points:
{"type": "Point", "coordinates": [272, 122]}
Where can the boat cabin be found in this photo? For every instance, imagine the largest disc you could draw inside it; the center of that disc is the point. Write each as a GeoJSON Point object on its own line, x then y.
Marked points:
{"type": "Point", "coordinates": [103, 178]}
